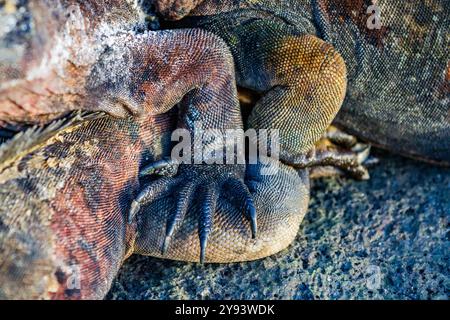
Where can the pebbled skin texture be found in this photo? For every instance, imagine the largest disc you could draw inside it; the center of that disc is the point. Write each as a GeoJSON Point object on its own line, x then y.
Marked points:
{"type": "Point", "coordinates": [398, 76]}
{"type": "Point", "coordinates": [66, 185]}
{"type": "Point", "coordinates": [122, 73]}
{"type": "Point", "coordinates": [68, 191]}
{"type": "Point", "coordinates": [64, 205]}
{"type": "Point", "coordinates": [281, 201]}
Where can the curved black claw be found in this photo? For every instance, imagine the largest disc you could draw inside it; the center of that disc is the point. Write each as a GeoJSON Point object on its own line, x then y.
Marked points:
{"type": "Point", "coordinates": [248, 206]}
{"type": "Point", "coordinates": [184, 197]}
{"type": "Point", "coordinates": [155, 190]}
{"type": "Point", "coordinates": [206, 218]}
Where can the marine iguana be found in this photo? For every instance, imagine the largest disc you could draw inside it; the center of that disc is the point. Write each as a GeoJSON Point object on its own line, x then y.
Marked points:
{"type": "Point", "coordinates": [68, 184]}
{"type": "Point", "coordinates": [396, 55]}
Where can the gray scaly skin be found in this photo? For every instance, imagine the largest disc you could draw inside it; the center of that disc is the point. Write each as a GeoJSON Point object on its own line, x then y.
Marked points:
{"type": "Point", "coordinates": [398, 93]}
{"type": "Point", "coordinates": [67, 186]}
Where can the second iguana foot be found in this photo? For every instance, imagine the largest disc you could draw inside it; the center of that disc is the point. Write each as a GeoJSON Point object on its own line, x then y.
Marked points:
{"type": "Point", "coordinates": [337, 162]}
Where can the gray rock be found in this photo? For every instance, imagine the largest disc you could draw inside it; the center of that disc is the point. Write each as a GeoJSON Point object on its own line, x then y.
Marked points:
{"type": "Point", "coordinates": [386, 238]}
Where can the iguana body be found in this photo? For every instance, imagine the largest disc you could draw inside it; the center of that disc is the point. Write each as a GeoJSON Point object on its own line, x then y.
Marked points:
{"type": "Point", "coordinates": [89, 173]}
{"type": "Point", "coordinates": [398, 74]}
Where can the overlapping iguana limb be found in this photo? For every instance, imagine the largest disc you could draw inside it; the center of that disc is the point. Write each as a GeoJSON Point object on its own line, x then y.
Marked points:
{"type": "Point", "coordinates": [67, 189]}
{"type": "Point", "coordinates": [396, 53]}
{"type": "Point", "coordinates": [304, 90]}
{"type": "Point", "coordinates": [142, 74]}
{"type": "Point", "coordinates": [301, 78]}
{"type": "Point", "coordinates": [118, 71]}
{"type": "Point", "coordinates": [280, 211]}
{"type": "Point", "coordinates": [304, 83]}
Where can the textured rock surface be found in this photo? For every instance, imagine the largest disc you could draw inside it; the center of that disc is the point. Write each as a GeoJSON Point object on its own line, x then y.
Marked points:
{"type": "Point", "coordinates": [386, 238]}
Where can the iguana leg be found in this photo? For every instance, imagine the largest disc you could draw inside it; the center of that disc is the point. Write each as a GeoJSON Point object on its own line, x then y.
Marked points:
{"type": "Point", "coordinates": [302, 82]}
{"type": "Point", "coordinates": [302, 78]}
{"type": "Point", "coordinates": [201, 76]}
{"type": "Point", "coordinates": [213, 107]}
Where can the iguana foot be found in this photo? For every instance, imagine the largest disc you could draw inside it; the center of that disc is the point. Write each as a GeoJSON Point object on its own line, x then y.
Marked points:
{"type": "Point", "coordinates": [216, 205]}
{"type": "Point", "coordinates": [337, 162]}
{"type": "Point", "coordinates": [192, 184]}
{"type": "Point", "coordinates": [336, 154]}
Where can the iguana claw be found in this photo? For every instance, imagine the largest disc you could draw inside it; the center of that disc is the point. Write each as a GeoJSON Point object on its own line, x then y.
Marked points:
{"type": "Point", "coordinates": [183, 199]}
{"type": "Point", "coordinates": [155, 190]}
{"type": "Point", "coordinates": [247, 200]}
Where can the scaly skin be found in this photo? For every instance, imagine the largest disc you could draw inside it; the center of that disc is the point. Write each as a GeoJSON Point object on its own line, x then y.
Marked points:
{"type": "Point", "coordinates": [67, 190]}
{"type": "Point", "coordinates": [398, 75]}
{"type": "Point", "coordinates": [65, 203]}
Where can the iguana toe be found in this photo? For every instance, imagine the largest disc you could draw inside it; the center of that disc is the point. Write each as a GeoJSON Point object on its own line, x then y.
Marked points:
{"type": "Point", "coordinates": [205, 222]}
{"type": "Point", "coordinates": [241, 190]}
{"type": "Point", "coordinates": [150, 192]}
{"type": "Point", "coordinates": [335, 161]}
{"type": "Point", "coordinates": [184, 197]}
{"type": "Point", "coordinates": [163, 167]}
